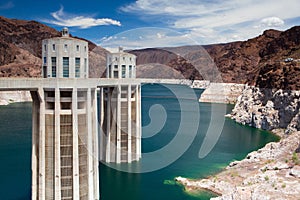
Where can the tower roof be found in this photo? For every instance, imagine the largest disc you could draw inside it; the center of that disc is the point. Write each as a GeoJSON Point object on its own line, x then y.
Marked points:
{"type": "Point", "coordinates": [65, 32]}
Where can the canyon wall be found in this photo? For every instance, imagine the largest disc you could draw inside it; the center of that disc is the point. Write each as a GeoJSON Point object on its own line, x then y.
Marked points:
{"type": "Point", "coordinates": [268, 109]}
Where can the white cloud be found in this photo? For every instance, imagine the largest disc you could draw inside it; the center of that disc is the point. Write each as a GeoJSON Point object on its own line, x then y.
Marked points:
{"type": "Point", "coordinates": [160, 35]}
{"type": "Point", "coordinates": [272, 22]}
{"type": "Point", "coordinates": [7, 5]}
{"type": "Point", "coordinates": [147, 38]}
{"type": "Point", "coordinates": [219, 20]}
{"type": "Point", "coordinates": [64, 19]}
{"type": "Point", "coordinates": [175, 7]}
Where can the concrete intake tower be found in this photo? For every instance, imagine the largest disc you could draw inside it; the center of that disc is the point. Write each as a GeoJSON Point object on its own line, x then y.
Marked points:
{"type": "Point", "coordinates": [65, 129]}
{"type": "Point", "coordinates": [77, 120]}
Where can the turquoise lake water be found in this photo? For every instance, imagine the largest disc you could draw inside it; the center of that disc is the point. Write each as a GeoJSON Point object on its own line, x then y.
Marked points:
{"type": "Point", "coordinates": [234, 143]}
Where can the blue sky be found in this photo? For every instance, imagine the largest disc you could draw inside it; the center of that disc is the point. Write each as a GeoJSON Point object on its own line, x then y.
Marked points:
{"type": "Point", "coordinates": [154, 23]}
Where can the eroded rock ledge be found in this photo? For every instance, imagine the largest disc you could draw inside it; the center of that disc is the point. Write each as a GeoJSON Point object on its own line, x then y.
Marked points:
{"type": "Point", "coordinates": [222, 93]}
{"type": "Point", "coordinates": [268, 109]}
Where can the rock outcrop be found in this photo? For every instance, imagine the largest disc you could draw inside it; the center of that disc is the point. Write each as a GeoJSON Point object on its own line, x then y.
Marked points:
{"type": "Point", "coordinates": [222, 93]}
{"type": "Point", "coordinates": [268, 109]}
{"type": "Point", "coordinates": [279, 75]}
{"type": "Point", "coordinates": [8, 97]}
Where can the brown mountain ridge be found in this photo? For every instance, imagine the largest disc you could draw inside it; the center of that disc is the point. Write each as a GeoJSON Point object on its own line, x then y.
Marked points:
{"type": "Point", "coordinates": [258, 61]}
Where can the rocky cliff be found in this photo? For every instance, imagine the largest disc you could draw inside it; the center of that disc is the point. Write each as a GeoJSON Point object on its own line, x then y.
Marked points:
{"type": "Point", "coordinates": [279, 75]}
{"type": "Point", "coordinates": [268, 109]}
{"type": "Point", "coordinates": [20, 46]}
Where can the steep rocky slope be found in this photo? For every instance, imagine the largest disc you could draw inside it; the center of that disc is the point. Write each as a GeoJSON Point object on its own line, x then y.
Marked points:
{"type": "Point", "coordinates": [97, 62]}
{"type": "Point", "coordinates": [20, 46]}
{"type": "Point", "coordinates": [279, 75]}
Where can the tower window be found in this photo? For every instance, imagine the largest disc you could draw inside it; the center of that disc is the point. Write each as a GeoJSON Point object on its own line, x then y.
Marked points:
{"type": "Point", "coordinates": [45, 60]}
{"type": "Point", "coordinates": [77, 47]}
{"type": "Point", "coordinates": [53, 47]}
{"type": "Point", "coordinates": [116, 74]}
{"type": "Point", "coordinates": [109, 71]}
{"type": "Point", "coordinates": [45, 47]}
{"type": "Point", "coordinates": [65, 47]}
{"type": "Point", "coordinates": [66, 67]}
{"type": "Point", "coordinates": [85, 67]}
{"type": "Point", "coordinates": [84, 48]}
{"type": "Point", "coordinates": [45, 71]}
{"type": "Point", "coordinates": [130, 71]}
{"type": "Point", "coordinates": [123, 71]}
{"type": "Point", "coordinates": [53, 62]}
{"type": "Point", "coordinates": [77, 67]}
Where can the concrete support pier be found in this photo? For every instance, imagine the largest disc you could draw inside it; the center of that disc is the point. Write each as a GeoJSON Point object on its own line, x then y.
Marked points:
{"type": "Point", "coordinates": [120, 107]}
{"type": "Point", "coordinates": [64, 156]}
{"type": "Point", "coordinates": [121, 124]}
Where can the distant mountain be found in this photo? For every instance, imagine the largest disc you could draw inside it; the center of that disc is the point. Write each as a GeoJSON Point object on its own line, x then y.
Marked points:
{"type": "Point", "coordinates": [21, 49]}
{"type": "Point", "coordinates": [258, 61]}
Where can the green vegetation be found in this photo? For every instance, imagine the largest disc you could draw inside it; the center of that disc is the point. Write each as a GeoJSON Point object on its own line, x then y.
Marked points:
{"type": "Point", "coordinates": [266, 178]}
{"type": "Point", "coordinates": [295, 158]}
{"type": "Point", "coordinates": [273, 184]}
{"type": "Point", "coordinates": [215, 179]}
{"type": "Point", "coordinates": [264, 169]}
{"type": "Point", "coordinates": [234, 174]}
{"type": "Point", "coordinates": [269, 161]}
{"type": "Point", "coordinates": [170, 182]}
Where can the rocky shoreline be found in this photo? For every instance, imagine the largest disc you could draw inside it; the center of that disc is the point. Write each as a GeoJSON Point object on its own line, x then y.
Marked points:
{"type": "Point", "coordinates": [272, 172]}
{"type": "Point", "coordinates": [222, 93]}
{"type": "Point", "coordinates": [268, 109]}
{"type": "Point", "coordinates": [7, 97]}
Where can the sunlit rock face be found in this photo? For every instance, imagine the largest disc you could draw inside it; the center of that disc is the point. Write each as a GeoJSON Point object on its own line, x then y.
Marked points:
{"type": "Point", "coordinates": [268, 109]}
